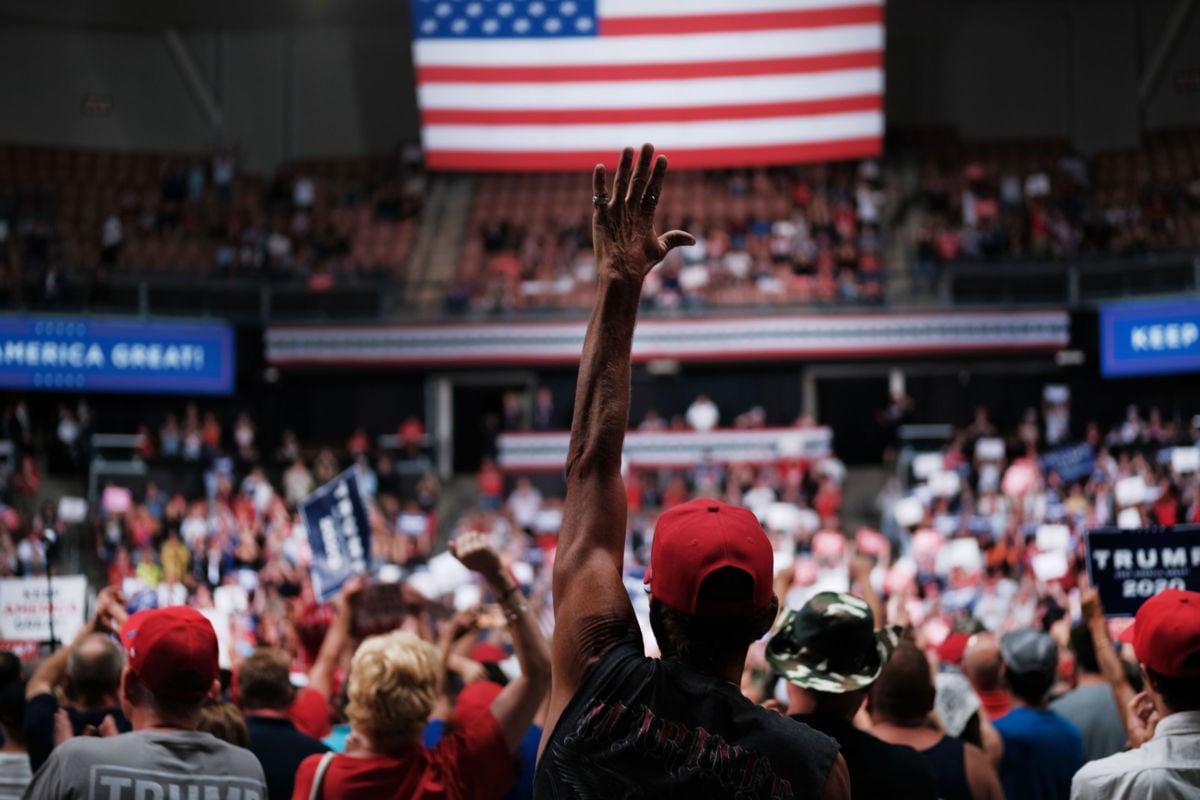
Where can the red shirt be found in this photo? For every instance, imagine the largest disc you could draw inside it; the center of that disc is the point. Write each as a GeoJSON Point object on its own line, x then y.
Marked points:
{"type": "Point", "coordinates": [996, 703]}
{"type": "Point", "coordinates": [473, 762]}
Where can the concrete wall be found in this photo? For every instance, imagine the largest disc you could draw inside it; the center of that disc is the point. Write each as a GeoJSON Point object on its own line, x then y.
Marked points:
{"type": "Point", "coordinates": [326, 91]}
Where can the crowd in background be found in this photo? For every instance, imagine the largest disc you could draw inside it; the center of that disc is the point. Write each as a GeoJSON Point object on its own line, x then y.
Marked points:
{"type": "Point", "coordinates": [808, 234]}
{"type": "Point", "coordinates": [1043, 202]}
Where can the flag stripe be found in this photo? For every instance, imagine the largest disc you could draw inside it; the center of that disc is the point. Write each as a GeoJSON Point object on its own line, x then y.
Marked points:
{"type": "Point", "coordinates": [733, 156]}
{"type": "Point", "coordinates": [642, 8]}
{"type": "Point", "coordinates": [868, 102]}
{"type": "Point", "coordinates": [548, 86]}
{"type": "Point", "coordinates": [651, 93]}
{"type": "Point", "coordinates": [687, 49]}
{"type": "Point", "coordinates": [628, 72]}
{"type": "Point", "coordinates": [674, 135]}
{"type": "Point", "coordinates": [762, 21]}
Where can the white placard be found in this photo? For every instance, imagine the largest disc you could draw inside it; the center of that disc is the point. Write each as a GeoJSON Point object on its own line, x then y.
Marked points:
{"type": "Point", "coordinates": [1185, 460]}
{"type": "Point", "coordinates": [989, 449]}
{"type": "Point", "coordinates": [782, 517]}
{"type": "Point", "coordinates": [220, 622]}
{"type": "Point", "coordinates": [1130, 491]}
{"type": "Point", "coordinates": [945, 484]}
{"type": "Point", "coordinates": [961, 553]}
{"type": "Point", "coordinates": [926, 464]}
{"type": "Point", "coordinates": [1049, 566]}
{"type": "Point", "coordinates": [909, 511]}
{"type": "Point", "coordinates": [1129, 519]}
{"type": "Point", "coordinates": [25, 608]}
{"type": "Point", "coordinates": [1056, 394]}
{"type": "Point", "coordinates": [231, 599]}
{"type": "Point", "coordinates": [1053, 538]}
{"type": "Point", "coordinates": [72, 509]}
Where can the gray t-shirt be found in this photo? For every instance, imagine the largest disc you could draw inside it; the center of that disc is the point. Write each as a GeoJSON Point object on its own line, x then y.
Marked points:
{"type": "Point", "coordinates": [1094, 711]}
{"type": "Point", "coordinates": [14, 775]}
{"type": "Point", "coordinates": [154, 765]}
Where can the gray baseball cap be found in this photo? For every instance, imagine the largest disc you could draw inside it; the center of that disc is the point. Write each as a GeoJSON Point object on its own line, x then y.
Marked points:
{"type": "Point", "coordinates": [1029, 652]}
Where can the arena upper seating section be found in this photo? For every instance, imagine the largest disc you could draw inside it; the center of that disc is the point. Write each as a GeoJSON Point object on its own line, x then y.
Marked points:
{"type": "Point", "coordinates": [1039, 200]}
{"type": "Point", "coordinates": [806, 234]}
{"type": "Point", "coordinates": [155, 213]}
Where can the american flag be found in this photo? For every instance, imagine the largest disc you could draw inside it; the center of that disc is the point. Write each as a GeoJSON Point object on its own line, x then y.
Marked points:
{"type": "Point", "coordinates": [508, 85]}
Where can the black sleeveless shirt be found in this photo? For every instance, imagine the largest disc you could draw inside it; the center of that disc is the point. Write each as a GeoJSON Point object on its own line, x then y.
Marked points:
{"type": "Point", "coordinates": [648, 728]}
{"type": "Point", "coordinates": [948, 762]}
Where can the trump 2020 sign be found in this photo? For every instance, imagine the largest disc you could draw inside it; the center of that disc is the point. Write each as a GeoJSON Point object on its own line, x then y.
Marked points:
{"type": "Point", "coordinates": [1129, 566]}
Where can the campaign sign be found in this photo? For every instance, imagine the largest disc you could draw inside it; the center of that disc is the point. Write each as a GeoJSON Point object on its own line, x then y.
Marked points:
{"type": "Point", "coordinates": [60, 353]}
{"type": "Point", "coordinates": [25, 608]}
{"type": "Point", "coordinates": [339, 533]}
{"type": "Point", "coordinates": [1071, 463]}
{"type": "Point", "coordinates": [1150, 338]}
{"type": "Point", "coordinates": [1129, 566]}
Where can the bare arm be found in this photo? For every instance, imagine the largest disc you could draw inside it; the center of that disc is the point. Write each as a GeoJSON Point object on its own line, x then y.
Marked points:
{"type": "Point", "coordinates": [860, 573]}
{"type": "Point", "coordinates": [516, 705]}
{"type": "Point", "coordinates": [993, 745]}
{"type": "Point", "coordinates": [1106, 655]}
{"type": "Point", "coordinates": [837, 785]}
{"type": "Point", "coordinates": [591, 609]}
{"type": "Point", "coordinates": [337, 638]}
{"type": "Point", "coordinates": [981, 775]}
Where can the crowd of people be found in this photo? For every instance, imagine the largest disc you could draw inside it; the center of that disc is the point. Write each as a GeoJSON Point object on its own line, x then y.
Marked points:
{"type": "Point", "coordinates": [715, 631]}
{"type": "Point", "coordinates": [90, 213]}
{"type": "Point", "coordinates": [805, 234]}
{"type": "Point", "coordinates": [1045, 202]}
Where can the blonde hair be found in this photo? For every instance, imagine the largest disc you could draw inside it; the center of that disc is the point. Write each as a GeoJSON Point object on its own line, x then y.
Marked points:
{"type": "Point", "coordinates": [395, 680]}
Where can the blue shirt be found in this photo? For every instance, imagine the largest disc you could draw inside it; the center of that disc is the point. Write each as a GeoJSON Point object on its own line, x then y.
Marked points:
{"type": "Point", "coordinates": [1042, 752]}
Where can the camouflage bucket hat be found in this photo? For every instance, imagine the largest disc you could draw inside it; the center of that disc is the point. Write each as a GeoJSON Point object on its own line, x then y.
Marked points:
{"type": "Point", "coordinates": [830, 645]}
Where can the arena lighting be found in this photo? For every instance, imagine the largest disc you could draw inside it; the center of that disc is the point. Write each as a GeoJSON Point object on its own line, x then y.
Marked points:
{"type": "Point", "coordinates": [1069, 358]}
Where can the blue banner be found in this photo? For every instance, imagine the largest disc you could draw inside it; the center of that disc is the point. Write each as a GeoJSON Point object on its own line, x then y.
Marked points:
{"type": "Point", "coordinates": [1127, 567]}
{"type": "Point", "coordinates": [339, 532]}
{"type": "Point", "coordinates": [1150, 338]}
{"type": "Point", "coordinates": [1072, 463]}
{"type": "Point", "coordinates": [61, 354]}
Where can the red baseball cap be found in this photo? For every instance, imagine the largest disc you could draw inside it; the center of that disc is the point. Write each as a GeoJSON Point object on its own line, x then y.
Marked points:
{"type": "Point", "coordinates": [951, 650]}
{"type": "Point", "coordinates": [172, 650]}
{"type": "Point", "coordinates": [693, 540]}
{"type": "Point", "coordinates": [1165, 634]}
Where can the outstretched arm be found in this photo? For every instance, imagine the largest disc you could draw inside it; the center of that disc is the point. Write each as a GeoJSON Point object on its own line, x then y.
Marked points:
{"type": "Point", "coordinates": [1106, 655]}
{"type": "Point", "coordinates": [591, 609]}
{"type": "Point", "coordinates": [516, 705]}
{"type": "Point", "coordinates": [337, 638]}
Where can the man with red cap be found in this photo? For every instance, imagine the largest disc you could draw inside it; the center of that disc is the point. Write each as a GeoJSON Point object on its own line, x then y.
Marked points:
{"type": "Point", "coordinates": [1166, 640]}
{"type": "Point", "coordinates": [619, 723]}
{"type": "Point", "coordinates": [171, 670]}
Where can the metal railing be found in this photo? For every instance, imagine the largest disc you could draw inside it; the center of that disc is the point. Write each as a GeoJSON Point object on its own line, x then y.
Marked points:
{"type": "Point", "coordinates": [1074, 284]}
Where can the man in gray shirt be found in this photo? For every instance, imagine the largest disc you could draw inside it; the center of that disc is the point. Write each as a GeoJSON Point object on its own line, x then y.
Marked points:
{"type": "Point", "coordinates": [1090, 705]}
{"type": "Point", "coordinates": [172, 668]}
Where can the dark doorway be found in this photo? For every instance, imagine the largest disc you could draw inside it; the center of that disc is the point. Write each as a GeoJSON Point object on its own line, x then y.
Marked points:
{"type": "Point", "coordinates": [478, 419]}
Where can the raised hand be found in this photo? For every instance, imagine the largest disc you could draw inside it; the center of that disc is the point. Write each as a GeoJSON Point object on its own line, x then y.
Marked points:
{"type": "Point", "coordinates": [349, 594]}
{"type": "Point", "coordinates": [477, 554]}
{"type": "Point", "coordinates": [626, 243]}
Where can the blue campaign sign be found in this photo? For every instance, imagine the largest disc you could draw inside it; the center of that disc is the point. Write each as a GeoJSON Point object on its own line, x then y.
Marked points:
{"type": "Point", "coordinates": [1071, 463]}
{"type": "Point", "coordinates": [1150, 338]}
{"type": "Point", "coordinates": [339, 533]}
{"type": "Point", "coordinates": [59, 353]}
{"type": "Point", "coordinates": [1129, 566]}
